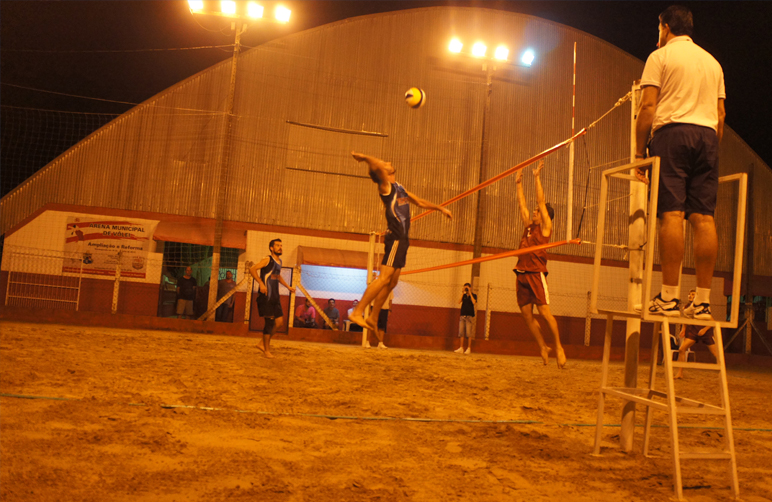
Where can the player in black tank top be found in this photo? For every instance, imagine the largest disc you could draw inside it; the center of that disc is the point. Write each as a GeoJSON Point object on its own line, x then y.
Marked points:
{"type": "Point", "coordinates": [395, 199]}
{"type": "Point", "coordinates": [532, 286]}
{"type": "Point", "coordinates": [267, 273]}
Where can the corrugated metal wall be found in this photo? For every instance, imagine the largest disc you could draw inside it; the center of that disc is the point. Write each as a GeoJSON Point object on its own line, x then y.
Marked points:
{"type": "Point", "coordinates": [351, 76]}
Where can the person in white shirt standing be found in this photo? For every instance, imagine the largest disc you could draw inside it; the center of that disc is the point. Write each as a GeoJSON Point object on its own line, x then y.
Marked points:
{"type": "Point", "coordinates": [683, 109]}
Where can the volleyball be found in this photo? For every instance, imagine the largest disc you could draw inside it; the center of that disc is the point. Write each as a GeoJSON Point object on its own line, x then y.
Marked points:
{"type": "Point", "coordinates": [415, 97]}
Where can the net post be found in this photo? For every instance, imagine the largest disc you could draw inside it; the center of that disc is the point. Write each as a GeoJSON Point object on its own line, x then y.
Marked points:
{"type": "Point", "coordinates": [636, 240]}
{"type": "Point", "coordinates": [369, 279]}
{"type": "Point", "coordinates": [570, 201]}
{"type": "Point", "coordinates": [117, 284]}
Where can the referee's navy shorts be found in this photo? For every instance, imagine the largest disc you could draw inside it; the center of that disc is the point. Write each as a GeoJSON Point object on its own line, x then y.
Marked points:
{"type": "Point", "coordinates": [688, 169]}
{"type": "Point", "coordinates": [395, 251]}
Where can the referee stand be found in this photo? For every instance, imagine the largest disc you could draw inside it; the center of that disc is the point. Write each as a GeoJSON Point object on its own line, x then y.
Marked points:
{"type": "Point", "coordinates": [650, 397]}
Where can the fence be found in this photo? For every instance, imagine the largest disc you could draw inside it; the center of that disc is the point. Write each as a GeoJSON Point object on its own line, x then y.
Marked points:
{"type": "Point", "coordinates": [424, 306]}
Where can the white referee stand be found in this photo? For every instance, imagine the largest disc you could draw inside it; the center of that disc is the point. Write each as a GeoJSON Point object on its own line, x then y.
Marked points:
{"type": "Point", "coordinates": [667, 400]}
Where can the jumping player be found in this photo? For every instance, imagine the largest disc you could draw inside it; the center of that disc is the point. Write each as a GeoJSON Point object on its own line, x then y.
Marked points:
{"type": "Point", "coordinates": [531, 268]}
{"type": "Point", "coordinates": [396, 201]}
{"type": "Point", "coordinates": [267, 273]}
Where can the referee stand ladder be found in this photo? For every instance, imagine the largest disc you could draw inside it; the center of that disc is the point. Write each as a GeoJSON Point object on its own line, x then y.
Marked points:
{"type": "Point", "coordinates": [650, 397]}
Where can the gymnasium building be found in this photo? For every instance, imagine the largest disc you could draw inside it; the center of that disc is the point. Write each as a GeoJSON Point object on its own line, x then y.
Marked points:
{"type": "Point", "coordinates": [100, 235]}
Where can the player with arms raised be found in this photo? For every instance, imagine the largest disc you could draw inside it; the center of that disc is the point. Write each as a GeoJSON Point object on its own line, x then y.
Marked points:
{"type": "Point", "coordinates": [397, 202]}
{"type": "Point", "coordinates": [531, 268]}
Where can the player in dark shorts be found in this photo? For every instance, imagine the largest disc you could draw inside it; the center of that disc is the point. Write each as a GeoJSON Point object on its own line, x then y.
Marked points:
{"type": "Point", "coordinates": [396, 201]}
{"type": "Point", "coordinates": [692, 334]}
{"type": "Point", "coordinates": [267, 273]}
{"type": "Point", "coordinates": [531, 268]}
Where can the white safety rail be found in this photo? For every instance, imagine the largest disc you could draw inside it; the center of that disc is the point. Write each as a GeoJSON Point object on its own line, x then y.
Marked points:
{"type": "Point", "coordinates": [36, 280]}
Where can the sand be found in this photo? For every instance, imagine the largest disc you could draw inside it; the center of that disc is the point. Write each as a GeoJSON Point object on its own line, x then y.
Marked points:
{"type": "Point", "coordinates": [171, 416]}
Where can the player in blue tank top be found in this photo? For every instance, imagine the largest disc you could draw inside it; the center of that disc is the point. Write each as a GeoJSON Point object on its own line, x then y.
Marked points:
{"type": "Point", "coordinates": [396, 201]}
{"type": "Point", "coordinates": [267, 273]}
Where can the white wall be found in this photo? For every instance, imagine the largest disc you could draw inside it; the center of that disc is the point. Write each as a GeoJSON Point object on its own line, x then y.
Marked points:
{"type": "Point", "coordinates": [568, 282]}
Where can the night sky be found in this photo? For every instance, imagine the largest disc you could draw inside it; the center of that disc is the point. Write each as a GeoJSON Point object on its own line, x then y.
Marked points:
{"type": "Point", "coordinates": [53, 33]}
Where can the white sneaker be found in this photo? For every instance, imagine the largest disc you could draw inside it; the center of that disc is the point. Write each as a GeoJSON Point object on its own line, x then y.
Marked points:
{"type": "Point", "coordinates": [468, 350]}
{"type": "Point", "coordinates": [459, 350]}
{"type": "Point", "coordinates": [689, 310]}
{"type": "Point", "coordinates": [382, 346]}
{"type": "Point", "coordinates": [658, 306]}
{"type": "Point", "coordinates": [702, 312]}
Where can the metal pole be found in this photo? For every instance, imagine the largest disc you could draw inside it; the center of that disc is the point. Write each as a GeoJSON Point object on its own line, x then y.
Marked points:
{"type": "Point", "coordinates": [570, 199]}
{"type": "Point", "coordinates": [224, 162]}
{"type": "Point", "coordinates": [636, 240]}
{"type": "Point", "coordinates": [488, 312]}
{"type": "Point", "coordinates": [749, 269]}
{"type": "Point", "coordinates": [483, 165]}
{"type": "Point", "coordinates": [588, 320]}
{"type": "Point", "coordinates": [248, 302]}
{"type": "Point", "coordinates": [293, 296]}
{"type": "Point", "coordinates": [369, 279]}
{"type": "Point", "coordinates": [117, 283]}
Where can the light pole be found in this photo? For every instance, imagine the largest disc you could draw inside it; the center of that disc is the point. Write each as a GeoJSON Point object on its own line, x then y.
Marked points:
{"type": "Point", "coordinates": [237, 12]}
{"type": "Point", "coordinates": [489, 66]}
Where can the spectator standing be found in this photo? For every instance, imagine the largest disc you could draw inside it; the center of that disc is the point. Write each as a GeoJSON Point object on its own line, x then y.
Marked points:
{"type": "Point", "coordinates": [224, 312]}
{"type": "Point", "coordinates": [466, 324]}
{"type": "Point", "coordinates": [186, 294]}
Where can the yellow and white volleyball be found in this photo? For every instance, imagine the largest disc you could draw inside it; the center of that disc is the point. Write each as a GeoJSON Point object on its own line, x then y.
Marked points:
{"type": "Point", "coordinates": [415, 97]}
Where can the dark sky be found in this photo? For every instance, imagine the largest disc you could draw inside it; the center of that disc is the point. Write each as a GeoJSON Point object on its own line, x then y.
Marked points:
{"type": "Point", "coordinates": [736, 33]}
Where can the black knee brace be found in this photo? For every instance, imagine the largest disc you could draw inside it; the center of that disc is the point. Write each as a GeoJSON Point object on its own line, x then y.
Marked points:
{"type": "Point", "coordinates": [270, 326]}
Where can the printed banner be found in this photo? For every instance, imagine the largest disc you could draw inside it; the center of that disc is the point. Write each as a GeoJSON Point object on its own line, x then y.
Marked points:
{"type": "Point", "coordinates": [96, 244]}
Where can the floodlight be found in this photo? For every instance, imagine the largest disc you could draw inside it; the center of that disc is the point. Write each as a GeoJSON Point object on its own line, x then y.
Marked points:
{"type": "Point", "coordinates": [228, 7]}
{"type": "Point", "coordinates": [254, 10]}
{"type": "Point", "coordinates": [282, 14]}
{"type": "Point", "coordinates": [528, 57]}
{"type": "Point", "coordinates": [478, 50]}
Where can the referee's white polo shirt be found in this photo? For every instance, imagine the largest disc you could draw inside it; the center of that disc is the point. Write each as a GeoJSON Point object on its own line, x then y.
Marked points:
{"type": "Point", "coordinates": [690, 83]}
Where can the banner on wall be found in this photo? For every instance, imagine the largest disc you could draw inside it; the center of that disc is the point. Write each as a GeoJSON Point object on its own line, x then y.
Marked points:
{"type": "Point", "coordinates": [96, 244]}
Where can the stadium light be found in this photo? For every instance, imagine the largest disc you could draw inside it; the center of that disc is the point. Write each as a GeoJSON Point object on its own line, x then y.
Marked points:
{"type": "Point", "coordinates": [528, 57]}
{"type": "Point", "coordinates": [254, 10]}
{"type": "Point", "coordinates": [501, 53]}
{"type": "Point", "coordinates": [238, 14]}
{"type": "Point", "coordinates": [228, 7]}
{"type": "Point", "coordinates": [478, 50]}
{"type": "Point", "coordinates": [282, 14]}
{"type": "Point", "coordinates": [455, 46]}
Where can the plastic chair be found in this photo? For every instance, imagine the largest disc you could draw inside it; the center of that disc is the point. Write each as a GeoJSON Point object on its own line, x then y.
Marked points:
{"type": "Point", "coordinates": [674, 343]}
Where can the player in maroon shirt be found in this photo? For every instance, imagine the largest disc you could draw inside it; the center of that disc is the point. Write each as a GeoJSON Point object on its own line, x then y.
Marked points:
{"type": "Point", "coordinates": [531, 268]}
